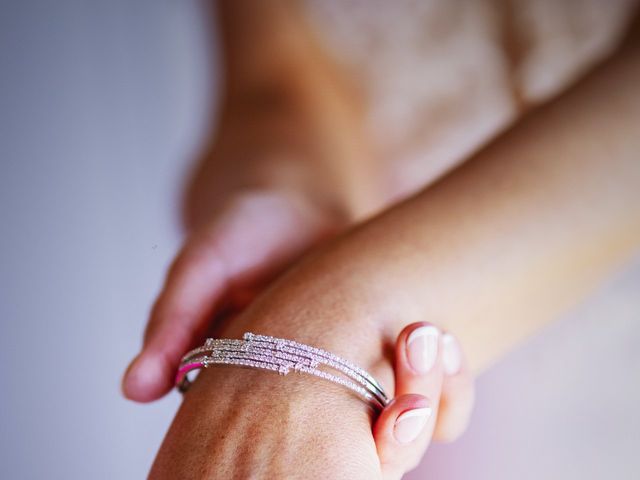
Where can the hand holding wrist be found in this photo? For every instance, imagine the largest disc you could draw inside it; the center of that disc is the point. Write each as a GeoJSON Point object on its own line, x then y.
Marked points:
{"type": "Point", "coordinates": [240, 423]}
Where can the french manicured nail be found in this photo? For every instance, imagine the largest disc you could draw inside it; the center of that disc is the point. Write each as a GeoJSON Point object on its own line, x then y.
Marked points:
{"type": "Point", "coordinates": [451, 354]}
{"type": "Point", "coordinates": [422, 348]}
{"type": "Point", "coordinates": [410, 424]}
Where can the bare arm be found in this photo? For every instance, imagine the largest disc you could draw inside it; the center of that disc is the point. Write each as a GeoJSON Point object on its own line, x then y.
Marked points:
{"type": "Point", "coordinates": [526, 227]}
{"type": "Point", "coordinates": [492, 252]}
{"type": "Point", "coordinates": [507, 241]}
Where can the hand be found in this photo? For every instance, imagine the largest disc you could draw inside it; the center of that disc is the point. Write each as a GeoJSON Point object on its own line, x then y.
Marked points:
{"type": "Point", "coordinates": [222, 265]}
{"type": "Point", "coordinates": [434, 398]}
{"type": "Point", "coordinates": [261, 198]}
{"type": "Point", "coordinates": [265, 426]}
{"type": "Point", "coordinates": [288, 426]}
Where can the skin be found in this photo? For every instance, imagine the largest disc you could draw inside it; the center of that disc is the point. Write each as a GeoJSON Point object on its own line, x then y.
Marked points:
{"type": "Point", "coordinates": [491, 252]}
{"type": "Point", "coordinates": [298, 434]}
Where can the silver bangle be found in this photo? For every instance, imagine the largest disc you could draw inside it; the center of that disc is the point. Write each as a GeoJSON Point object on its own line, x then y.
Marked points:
{"type": "Point", "coordinates": [281, 355]}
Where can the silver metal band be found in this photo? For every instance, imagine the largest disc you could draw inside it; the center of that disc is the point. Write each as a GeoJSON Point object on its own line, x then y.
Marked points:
{"type": "Point", "coordinates": [282, 355]}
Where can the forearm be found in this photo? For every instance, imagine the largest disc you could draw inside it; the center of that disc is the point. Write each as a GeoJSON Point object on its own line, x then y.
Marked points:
{"type": "Point", "coordinates": [491, 252]}
{"type": "Point", "coordinates": [532, 223]}
{"type": "Point", "coordinates": [506, 242]}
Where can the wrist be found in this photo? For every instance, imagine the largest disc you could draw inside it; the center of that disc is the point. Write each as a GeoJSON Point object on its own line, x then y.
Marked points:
{"type": "Point", "coordinates": [344, 328]}
{"type": "Point", "coordinates": [234, 413]}
{"type": "Point", "coordinates": [230, 407]}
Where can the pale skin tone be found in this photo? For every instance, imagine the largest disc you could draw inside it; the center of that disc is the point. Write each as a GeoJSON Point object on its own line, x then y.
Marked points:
{"type": "Point", "coordinates": [491, 252]}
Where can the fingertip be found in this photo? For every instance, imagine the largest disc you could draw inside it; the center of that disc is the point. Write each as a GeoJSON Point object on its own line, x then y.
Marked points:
{"type": "Point", "coordinates": [418, 365]}
{"type": "Point", "coordinates": [410, 330]}
{"type": "Point", "coordinates": [421, 347]}
{"type": "Point", "coordinates": [403, 431]}
{"type": "Point", "coordinates": [413, 414]}
{"type": "Point", "coordinates": [145, 379]}
{"type": "Point", "coordinates": [451, 355]}
{"type": "Point", "coordinates": [458, 396]}
{"type": "Point", "coordinates": [411, 423]}
{"type": "Point", "coordinates": [402, 408]}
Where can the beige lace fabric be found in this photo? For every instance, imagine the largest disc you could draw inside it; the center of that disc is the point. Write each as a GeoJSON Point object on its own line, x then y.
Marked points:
{"type": "Point", "coordinates": [441, 77]}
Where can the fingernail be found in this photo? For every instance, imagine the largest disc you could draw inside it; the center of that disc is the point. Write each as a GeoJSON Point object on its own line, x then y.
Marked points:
{"type": "Point", "coordinates": [422, 348]}
{"type": "Point", "coordinates": [451, 354]}
{"type": "Point", "coordinates": [410, 424]}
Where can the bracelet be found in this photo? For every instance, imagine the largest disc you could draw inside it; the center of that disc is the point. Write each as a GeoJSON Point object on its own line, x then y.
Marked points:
{"type": "Point", "coordinates": [281, 355]}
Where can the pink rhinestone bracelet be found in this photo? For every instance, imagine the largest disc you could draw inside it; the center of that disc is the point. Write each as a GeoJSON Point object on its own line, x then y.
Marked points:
{"type": "Point", "coordinates": [282, 356]}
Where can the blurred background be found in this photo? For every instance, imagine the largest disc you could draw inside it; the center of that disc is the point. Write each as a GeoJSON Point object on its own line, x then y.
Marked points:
{"type": "Point", "coordinates": [103, 108]}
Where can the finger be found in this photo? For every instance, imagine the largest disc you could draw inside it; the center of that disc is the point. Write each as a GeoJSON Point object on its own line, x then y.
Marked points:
{"type": "Point", "coordinates": [456, 402]}
{"type": "Point", "coordinates": [195, 283]}
{"type": "Point", "coordinates": [418, 366]}
{"type": "Point", "coordinates": [418, 372]}
{"type": "Point", "coordinates": [248, 243]}
{"type": "Point", "coordinates": [401, 424]}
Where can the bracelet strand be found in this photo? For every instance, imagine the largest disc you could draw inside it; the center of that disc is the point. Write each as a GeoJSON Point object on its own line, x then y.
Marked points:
{"type": "Point", "coordinates": [282, 356]}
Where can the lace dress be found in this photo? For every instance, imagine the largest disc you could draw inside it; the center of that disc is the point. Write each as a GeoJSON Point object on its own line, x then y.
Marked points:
{"type": "Point", "coordinates": [442, 77]}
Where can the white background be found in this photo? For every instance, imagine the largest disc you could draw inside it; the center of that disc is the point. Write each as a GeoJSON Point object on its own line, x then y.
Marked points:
{"type": "Point", "coordinates": [102, 110]}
